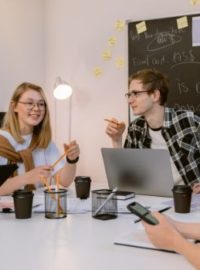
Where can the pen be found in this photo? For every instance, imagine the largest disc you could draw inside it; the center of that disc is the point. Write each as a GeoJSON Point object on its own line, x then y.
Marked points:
{"type": "Point", "coordinates": [164, 209]}
{"type": "Point", "coordinates": [160, 211]}
{"type": "Point", "coordinates": [36, 205]}
{"type": "Point", "coordinates": [107, 199]}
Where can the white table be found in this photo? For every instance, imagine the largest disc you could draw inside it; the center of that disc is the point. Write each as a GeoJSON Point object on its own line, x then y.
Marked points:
{"type": "Point", "coordinates": [78, 242]}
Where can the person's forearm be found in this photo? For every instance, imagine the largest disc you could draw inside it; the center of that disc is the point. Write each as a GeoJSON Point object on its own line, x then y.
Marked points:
{"type": "Point", "coordinates": [11, 184]}
{"type": "Point", "coordinates": [117, 144]}
{"type": "Point", "coordinates": [188, 230]}
{"type": "Point", "coordinates": [67, 174]}
{"type": "Point", "coordinates": [190, 251]}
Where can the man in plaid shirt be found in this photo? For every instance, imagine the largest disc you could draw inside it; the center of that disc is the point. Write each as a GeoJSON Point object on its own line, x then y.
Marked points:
{"type": "Point", "coordinates": [161, 127]}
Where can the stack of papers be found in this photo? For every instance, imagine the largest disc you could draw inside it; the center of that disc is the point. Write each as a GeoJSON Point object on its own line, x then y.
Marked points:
{"type": "Point", "coordinates": [78, 206]}
{"type": "Point", "coordinates": [74, 205]}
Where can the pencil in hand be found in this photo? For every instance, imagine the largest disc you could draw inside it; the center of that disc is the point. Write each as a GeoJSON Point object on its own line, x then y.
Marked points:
{"type": "Point", "coordinates": [45, 182]}
{"type": "Point", "coordinates": [57, 181]}
{"type": "Point", "coordinates": [60, 158]}
{"type": "Point", "coordinates": [112, 121]}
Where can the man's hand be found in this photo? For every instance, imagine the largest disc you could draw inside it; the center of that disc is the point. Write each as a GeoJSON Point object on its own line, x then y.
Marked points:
{"type": "Point", "coordinates": [115, 130]}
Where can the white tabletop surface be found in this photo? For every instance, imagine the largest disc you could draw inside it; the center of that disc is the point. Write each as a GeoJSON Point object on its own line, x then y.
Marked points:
{"type": "Point", "coordinates": [79, 242]}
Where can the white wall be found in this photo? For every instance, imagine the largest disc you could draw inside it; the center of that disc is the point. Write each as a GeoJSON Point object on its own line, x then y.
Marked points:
{"type": "Point", "coordinates": [21, 45]}
{"type": "Point", "coordinates": [76, 35]}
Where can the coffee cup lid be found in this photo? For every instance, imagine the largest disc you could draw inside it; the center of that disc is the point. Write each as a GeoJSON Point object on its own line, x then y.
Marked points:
{"type": "Point", "coordinates": [22, 192]}
{"type": "Point", "coordinates": [181, 188]}
{"type": "Point", "coordinates": [82, 178]}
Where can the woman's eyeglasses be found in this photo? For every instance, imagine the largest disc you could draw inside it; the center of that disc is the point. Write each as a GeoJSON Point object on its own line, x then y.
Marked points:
{"type": "Point", "coordinates": [29, 105]}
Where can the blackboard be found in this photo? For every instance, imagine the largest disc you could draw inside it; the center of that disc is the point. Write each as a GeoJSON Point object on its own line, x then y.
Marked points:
{"type": "Point", "coordinates": [170, 49]}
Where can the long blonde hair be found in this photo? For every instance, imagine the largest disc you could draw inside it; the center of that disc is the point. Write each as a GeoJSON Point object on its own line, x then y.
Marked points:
{"type": "Point", "coordinates": [42, 132]}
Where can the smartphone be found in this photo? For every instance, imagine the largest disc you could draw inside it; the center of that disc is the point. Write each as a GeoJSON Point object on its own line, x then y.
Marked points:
{"type": "Point", "coordinates": [142, 213]}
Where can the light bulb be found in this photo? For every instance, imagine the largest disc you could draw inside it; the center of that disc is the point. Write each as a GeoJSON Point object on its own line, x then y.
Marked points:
{"type": "Point", "coordinates": [62, 91]}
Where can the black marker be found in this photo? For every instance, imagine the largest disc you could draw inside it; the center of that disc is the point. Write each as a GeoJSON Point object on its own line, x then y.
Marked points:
{"type": "Point", "coordinates": [7, 210]}
{"type": "Point", "coordinates": [164, 209]}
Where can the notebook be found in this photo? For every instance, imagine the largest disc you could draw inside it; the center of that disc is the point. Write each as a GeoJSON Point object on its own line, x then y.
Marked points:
{"type": "Point", "coordinates": [143, 171]}
{"type": "Point", "coordinates": [137, 238]}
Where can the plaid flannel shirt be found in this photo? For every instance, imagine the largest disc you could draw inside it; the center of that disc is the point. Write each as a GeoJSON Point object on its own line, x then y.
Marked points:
{"type": "Point", "coordinates": [181, 131]}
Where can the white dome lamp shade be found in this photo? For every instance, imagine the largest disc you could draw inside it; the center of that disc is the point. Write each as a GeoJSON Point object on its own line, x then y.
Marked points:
{"type": "Point", "coordinates": [62, 89]}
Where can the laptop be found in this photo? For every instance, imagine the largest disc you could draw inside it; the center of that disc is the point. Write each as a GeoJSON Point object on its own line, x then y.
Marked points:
{"type": "Point", "coordinates": [143, 171]}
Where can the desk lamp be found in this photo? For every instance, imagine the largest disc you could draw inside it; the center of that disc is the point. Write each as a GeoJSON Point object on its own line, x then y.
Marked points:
{"type": "Point", "coordinates": [63, 91]}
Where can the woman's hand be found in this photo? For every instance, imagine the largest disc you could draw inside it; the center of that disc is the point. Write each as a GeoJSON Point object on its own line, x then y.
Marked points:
{"type": "Point", "coordinates": [196, 188]}
{"type": "Point", "coordinates": [163, 235]}
{"type": "Point", "coordinates": [33, 176]}
{"type": "Point", "coordinates": [72, 150]}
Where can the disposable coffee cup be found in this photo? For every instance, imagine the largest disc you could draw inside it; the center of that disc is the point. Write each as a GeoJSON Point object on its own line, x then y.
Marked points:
{"type": "Point", "coordinates": [55, 203]}
{"type": "Point", "coordinates": [82, 185]}
{"type": "Point", "coordinates": [104, 205]}
{"type": "Point", "coordinates": [182, 198]}
{"type": "Point", "coordinates": [23, 201]}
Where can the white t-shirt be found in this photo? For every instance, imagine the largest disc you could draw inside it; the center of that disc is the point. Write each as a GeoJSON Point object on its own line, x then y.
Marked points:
{"type": "Point", "coordinates": [158, 142]}
{"type": "Point", "coordinates": [40, 156]}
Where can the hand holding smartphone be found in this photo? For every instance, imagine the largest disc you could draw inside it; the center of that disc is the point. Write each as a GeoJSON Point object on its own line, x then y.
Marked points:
{"type": "Point", "coordinates": [142, 213]}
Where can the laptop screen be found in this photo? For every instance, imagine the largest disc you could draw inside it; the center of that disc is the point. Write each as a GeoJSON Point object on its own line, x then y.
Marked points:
{"type": "Point", "coordinates": [143, 171]}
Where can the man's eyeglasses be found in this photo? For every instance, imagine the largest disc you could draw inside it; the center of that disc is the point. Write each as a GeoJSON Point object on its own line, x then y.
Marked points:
{"type": "Point", "coordinates": [134, 93]}
{"type": "Point", "coordinates": [30, 105]}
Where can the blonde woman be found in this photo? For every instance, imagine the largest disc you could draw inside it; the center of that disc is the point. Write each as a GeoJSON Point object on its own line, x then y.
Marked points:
{"type": "Point", "coordinates": [26, 139]}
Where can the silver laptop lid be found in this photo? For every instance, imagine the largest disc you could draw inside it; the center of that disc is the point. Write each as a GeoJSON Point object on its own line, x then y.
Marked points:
{"type": "Point", "coordinates": [144, 171]}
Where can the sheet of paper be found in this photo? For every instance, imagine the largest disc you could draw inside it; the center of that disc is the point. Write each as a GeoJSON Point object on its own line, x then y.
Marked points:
{"type": "Point", "coordinates": [137, 238]}
{"type": "Point", "coordinates": [196, 31]}
{"type": "Point", "coordinates": [195, 203]}
{"type": "Point", "coordinates": [74, 206]}
{"type": "Point", "coordinates": [7, 202]}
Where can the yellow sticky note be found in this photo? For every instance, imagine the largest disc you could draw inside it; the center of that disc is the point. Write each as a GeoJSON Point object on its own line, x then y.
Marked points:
{"type": "Point", "coordinates": [98, 71]}
{"type": "Point", "coordinates": [120, 62]}
{"type": "Point", "coordinates": [195, 2]}
{"type": "Point", "coordinates": [182, 22]}
{"type": "Point", "coordinates": [141, 27]}
{"type": "Point", "coordinates": [119, 25]}
{"type": "Point", "coordinates": [112, 41]}
{"type": "Point", "coordinates": [106, 55]}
